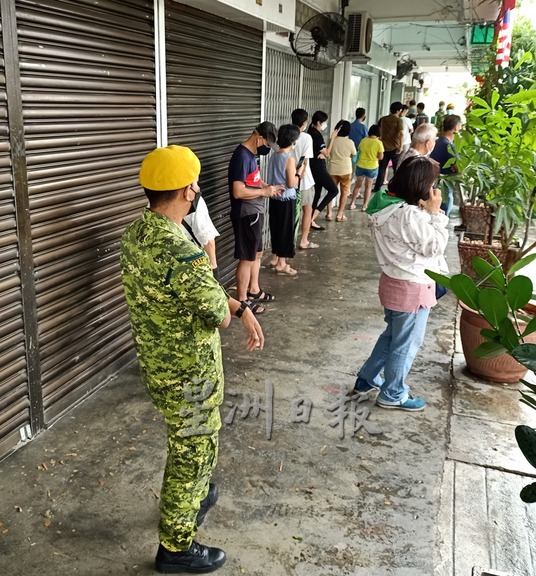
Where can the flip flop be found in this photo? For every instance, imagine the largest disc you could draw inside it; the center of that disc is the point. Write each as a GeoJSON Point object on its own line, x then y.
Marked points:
{"type": "Point", "coordinates": [329, 218]}
{"type": "Point", "coordinates": [261, 296]}
{"type": "Point", "coordinates": [308, 246]}
{"type": "Point", "coordinates": [342, 219]}
{"type": "Point", "coordinates": [286, 271]}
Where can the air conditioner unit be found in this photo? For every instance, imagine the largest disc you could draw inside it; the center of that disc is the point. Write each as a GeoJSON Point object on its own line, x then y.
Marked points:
{"type": "Point", "coordinates": [358, 35]}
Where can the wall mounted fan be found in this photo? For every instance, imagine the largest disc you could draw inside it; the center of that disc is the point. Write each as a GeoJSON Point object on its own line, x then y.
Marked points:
{"type": "Point", "coordinates": [321, 41]}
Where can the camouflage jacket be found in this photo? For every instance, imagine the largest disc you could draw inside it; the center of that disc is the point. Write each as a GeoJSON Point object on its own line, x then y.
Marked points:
{"type": "Point", "coordinates": [175, 308]}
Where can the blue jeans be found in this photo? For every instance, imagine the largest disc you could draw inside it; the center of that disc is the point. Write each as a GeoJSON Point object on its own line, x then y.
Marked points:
{"type": "Point", "coordinates": [394, 353]}
{"type": "Point", "coordinates": [447, 206]}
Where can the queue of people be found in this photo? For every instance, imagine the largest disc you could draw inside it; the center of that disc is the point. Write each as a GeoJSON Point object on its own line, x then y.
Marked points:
{"type": "Point", "coordinates": [177, 306]}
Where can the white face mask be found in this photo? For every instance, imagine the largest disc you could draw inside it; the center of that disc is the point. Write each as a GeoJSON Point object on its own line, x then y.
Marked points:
{"type": "Point", "coordinates": [323, 126]}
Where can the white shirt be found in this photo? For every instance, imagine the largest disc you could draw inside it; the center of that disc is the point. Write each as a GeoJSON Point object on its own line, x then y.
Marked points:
{"type": "Point", "coordinates": [409, 240]}
{"type": "Point", "coordinates": [408, 128]}
{"type": "Point", "coordinates": [304, 147]}
{"type": "Point", "coordinates": [201, 224]}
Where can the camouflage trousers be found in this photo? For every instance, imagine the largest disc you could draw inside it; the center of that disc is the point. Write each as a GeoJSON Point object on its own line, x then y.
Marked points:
{"type": "Point", "coordinates": [189, 467]}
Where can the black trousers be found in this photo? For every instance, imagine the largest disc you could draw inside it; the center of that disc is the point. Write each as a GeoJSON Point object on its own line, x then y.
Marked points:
{"type": "Point", "coordinates": [392, 156]}
{"type": "Point", "coordinates": [323, 180]}
{"type": "Point", "coordinates": [282, 220]}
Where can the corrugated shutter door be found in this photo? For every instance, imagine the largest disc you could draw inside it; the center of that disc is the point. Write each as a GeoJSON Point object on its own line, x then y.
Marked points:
{"type": "Point", "coordinates": [318, 91]}
{"type": "Point", "coordinates": [282, 90]}
{"type": "Point", "coordinates": [214, 82]}
{"type": "Point", "coordinates": [14, 400]}
{"type": "Point", "coordinates": [88, 92]}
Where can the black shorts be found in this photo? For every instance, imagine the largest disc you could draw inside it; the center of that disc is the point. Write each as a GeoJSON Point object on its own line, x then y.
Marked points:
{"type": "Point", "coordinates": [248, 236]}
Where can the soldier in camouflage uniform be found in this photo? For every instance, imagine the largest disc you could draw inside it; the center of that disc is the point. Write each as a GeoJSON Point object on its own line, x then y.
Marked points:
{"type": "Point", "coordinates": [176, 307]}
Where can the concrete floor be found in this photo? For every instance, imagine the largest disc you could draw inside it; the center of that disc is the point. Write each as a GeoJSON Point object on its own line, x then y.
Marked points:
{"type": "Point", "coordinates": [315, 499]}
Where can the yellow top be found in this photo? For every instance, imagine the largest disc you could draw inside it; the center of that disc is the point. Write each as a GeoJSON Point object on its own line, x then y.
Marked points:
{"type": "Point", "coordinates": [369, 148]}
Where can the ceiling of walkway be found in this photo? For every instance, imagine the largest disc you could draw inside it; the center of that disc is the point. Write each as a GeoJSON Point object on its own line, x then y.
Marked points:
{"type": "Point", "coordinates": [434, 33]}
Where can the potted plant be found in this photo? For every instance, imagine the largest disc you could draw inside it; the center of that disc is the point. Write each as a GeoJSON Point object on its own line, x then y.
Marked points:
{"type": "Point", "coordinates": [497, 164]}
{"type": "Point", "coordinates": [500, 298]}
{"type": "Point", "coordinates": [472, 181]}
{"type": "Point", "coordinates": [493, 321]}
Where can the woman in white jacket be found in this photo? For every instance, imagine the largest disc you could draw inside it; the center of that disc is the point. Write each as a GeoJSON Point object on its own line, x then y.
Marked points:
{"type": "Point", "coordinates": [410, 236]}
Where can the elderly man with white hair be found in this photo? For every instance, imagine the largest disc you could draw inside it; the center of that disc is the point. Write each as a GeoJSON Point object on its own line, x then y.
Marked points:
{"type": "Point", "coordinates": [422, 143]}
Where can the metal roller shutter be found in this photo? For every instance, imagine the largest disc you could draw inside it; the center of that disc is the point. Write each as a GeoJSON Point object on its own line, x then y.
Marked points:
{"type": "Point", "coordinates": [14, 397]}
{"type": "Point", "coordinates": [214, 82]}
{"type": "Point", "coordinates": [282, 90]}
{"type": "Point", "coordinates": [88, 96]}
{"type": "Point", "coordinates": [318, 91]}
{"type": "Point", "coordinates": [301, 87]}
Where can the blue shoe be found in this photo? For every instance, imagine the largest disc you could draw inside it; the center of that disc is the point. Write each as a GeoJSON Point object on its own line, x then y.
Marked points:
{"type": "Point", "coordinates": [363, 386]}
{"type": "Point", "coordinates": [410, 405]}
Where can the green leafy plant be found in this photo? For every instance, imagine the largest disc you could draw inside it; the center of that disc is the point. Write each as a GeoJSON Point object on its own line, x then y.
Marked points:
{"type": "Point", "coordinates": [526, 440]}
{"type": "Point", "coordinates": [499, 297]}
{"type": "Point", "coordinates": [497, 152]}
{"type": "Point", "coordinates": [508, 79]}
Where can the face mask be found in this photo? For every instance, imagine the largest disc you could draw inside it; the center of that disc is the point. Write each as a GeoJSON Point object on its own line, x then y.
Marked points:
{"type": "Point", "coordinates": [194, 204]}
{"type": "Point", "coordinates": [323, 126]}
{"type": "Point", "coordinates": [263, 150]}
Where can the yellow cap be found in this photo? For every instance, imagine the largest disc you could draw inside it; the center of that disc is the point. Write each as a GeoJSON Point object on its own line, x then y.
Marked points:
{"type": "Point", "coordinates": [169, 168]}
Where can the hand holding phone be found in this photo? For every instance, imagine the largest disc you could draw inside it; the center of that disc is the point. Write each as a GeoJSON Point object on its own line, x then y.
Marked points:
{"type": "Point", "coordinates": [433, 203]}
{"type": "Point", "coordinates": [300, 163]}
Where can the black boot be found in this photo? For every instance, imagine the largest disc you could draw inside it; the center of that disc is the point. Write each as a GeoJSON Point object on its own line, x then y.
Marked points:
{"type": "Point", "coordinates": [207, 503]}
{"type": "Point", "coordinates": [198, 558]}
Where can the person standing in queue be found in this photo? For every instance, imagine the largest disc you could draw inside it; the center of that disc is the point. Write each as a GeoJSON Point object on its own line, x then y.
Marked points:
{"type": "Point", "coordinates": [392, 130]}
{"type": "Point", "coordinates": [176, 307]}
{"type": "Point", "coordinates": [247, 192]}
{"type": "Point", "coordinates": [410, 236]}
{"type": "Point", "coordinates": [321, 152]}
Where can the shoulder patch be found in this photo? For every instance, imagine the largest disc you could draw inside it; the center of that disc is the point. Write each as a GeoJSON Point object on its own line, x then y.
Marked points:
{"type": "Point", "coordinates": [199, 261]}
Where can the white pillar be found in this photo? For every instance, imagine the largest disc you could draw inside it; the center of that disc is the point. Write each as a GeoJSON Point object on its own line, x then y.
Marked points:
{"type": "Point", "coordinates": [160, 72]}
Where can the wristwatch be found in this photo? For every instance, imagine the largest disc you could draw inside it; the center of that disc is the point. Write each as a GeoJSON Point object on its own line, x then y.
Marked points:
{"type": "Point", "coordinates": [240, 311]}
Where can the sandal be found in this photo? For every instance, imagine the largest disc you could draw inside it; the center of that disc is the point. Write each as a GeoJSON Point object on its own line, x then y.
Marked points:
{"type": "Point", "coordinates": [353, 206]}
{"type": "Point", "coordinates": [342, 218]}
{"type": "Point", "coordinates": [308, 246]}
{"type": "Point", "coordinates": [255, 308]}
{"type": "Point", "coordinates": [286, 271]}
{"type": "Point", "coordinates": [261, 296]}
{"type": "Point", "coordinates": [329, 218]}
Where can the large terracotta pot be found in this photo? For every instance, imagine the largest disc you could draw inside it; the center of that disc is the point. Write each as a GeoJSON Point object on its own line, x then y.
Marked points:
{"type": "Point", "coordinates": [502, 368]}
